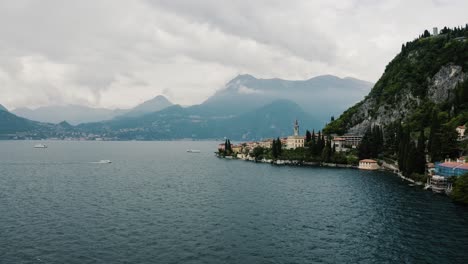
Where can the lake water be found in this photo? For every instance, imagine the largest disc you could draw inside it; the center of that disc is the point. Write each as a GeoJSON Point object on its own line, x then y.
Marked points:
{"type": "Point", "coordinates": [158, 204]}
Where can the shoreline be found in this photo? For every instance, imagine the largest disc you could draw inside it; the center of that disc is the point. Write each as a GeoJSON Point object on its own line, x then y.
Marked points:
{"type": "Point", "coordinates": [295, 163]}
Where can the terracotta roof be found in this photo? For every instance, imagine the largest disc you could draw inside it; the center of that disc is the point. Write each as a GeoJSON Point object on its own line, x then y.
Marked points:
{"type": "Point", "coordinates": [368, 161]}
{"type": "Point", "coordinates": [462, 127]}
{"type": "Point", "coordinates": [454, 165]}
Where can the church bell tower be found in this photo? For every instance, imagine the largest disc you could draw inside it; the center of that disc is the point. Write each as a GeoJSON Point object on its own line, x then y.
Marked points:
{"type": "Point", "coordinates": [296, 128]}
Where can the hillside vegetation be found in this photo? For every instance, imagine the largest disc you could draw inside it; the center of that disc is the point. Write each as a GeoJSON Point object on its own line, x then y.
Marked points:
{"type": "Point", "coordinates": [418, 102]}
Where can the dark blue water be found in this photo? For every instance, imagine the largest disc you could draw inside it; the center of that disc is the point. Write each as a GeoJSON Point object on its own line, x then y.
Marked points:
{"type": "Point", "coordinates": [158, 204]}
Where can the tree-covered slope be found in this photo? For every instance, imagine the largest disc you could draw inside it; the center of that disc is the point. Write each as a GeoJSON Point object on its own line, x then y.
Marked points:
{"type": "Point", "coordinates": [429, 74]}
{"type": "Point", "coordinates": [10, 123]}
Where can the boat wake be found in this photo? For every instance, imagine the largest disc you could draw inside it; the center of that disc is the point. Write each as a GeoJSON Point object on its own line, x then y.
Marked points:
{"type": "Point", "coordinates": [101, 162]}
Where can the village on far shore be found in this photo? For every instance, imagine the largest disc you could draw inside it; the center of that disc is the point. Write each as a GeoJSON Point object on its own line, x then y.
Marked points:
{"type": "Point", "coordinates": [338, 151]}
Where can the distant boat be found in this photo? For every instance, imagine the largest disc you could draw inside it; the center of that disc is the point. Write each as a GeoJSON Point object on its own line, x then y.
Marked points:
{"type": "Point", "coordinates": [40, 146]}
{"type": "Point", "coordinates": [193, 151]}
{"type": "Point", "coordinates": [104, 162]}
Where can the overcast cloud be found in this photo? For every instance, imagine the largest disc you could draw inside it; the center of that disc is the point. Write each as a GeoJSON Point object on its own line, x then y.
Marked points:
{"type": "Point", "coordinates": [108, 53]}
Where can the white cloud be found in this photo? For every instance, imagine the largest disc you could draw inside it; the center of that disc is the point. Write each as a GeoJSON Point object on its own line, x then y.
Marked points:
{"type": "Point", "coordinates": [111, 53]}
{"type": "Point", "coordinates": [247, 90]}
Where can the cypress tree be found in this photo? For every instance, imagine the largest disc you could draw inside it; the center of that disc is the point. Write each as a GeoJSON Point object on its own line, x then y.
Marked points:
{"type": "Point", "coordinates": [364, 151]}
{"type": "Point", "coordinates": [279, 147]}
{"type": "Point", "coordinates": [435, 143]}
{"type": "Point", "coordinates": [313, 144]}
{"type": "Point", "coordinates": [420, 158]}
{"type": "Point", "coordinates": [225, 146]}
{"type": "Point", "coordinates": [308, 137]}
{"type": "Point", "coordinates": [410, 165]}
{"type": "Point", "coordinates": [274, 149]}
{"type": "Point", "coordinates": [404, 142]}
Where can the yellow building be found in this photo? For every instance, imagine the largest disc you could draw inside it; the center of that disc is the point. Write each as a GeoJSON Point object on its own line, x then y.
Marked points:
{"type": "Point", "coordinates": [236, 148]}
{"type": "Point", "coordinates": [268, 143]}
{"type": "Point", "coordinates": [295, 141]}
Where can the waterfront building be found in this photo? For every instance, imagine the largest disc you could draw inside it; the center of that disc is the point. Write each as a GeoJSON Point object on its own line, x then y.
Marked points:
{"type": "Point", "coordinates": [346, 142]}
{"type": "Point", "coordinates": [236, 148]}
{"type": "Point", "coordinates": [451, 168]}
{"type": "Point", "coordinates": [339, 143]}
{"type": "Point", "coordinates": [284, 142]}
{"type": "Point", "coordinates": [221, 146]}
{"type": "Point", "coordinates": [251, 145]}
{"type": "Point", "coordinates": [439, 184]}
{"type": "Point", "coordinates": [267, 143]}
{"type": "Point", "coordinates": [295, 141]}
{"type": "Point", "coordinates": [368, 164]}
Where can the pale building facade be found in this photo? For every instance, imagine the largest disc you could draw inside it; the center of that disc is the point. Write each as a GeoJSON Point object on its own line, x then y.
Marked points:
{"type": "Point", "coordinates": [295, 141]}
{"type": "Point", "coordinates": [368, 164]}
{"type": "Point", "coordinates": [339, 144]}
{"type": "Point", "coordinates": [268, 143]}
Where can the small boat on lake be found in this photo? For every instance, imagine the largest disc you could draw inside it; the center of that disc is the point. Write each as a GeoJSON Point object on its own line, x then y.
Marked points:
{"type": "Point", "coordinates": [102, 162]}
{"type": "Point", "coordinates": [193, 151]}
{"type": "Point", "coordinates": [40, 146]}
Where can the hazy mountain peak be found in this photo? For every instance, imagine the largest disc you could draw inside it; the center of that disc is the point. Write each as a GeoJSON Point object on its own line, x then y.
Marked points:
{"type": "Point", "coordinates": [64, 124]}
{"type": "Point", "coordinates": [74, 114]}
{"type": "Point", "coordinates": [2, 108]}
{"type": "Point", "coordinates": [241, 78]}
{"type": "Point", "coordinates": [156, 104]}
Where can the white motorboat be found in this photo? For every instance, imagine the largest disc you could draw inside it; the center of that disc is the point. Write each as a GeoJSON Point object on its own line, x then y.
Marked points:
{"type": "Point", "coordinates": [40, 146]}
{"type": "Point", "coordinates": [102, 162]}
{"type": "Point", "coordinates": [193, 151]}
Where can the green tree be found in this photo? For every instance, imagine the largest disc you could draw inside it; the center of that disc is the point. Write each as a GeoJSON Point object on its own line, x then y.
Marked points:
{"type": "Point", "coordinates": [279, 146]}
{"type": "Point", "coordinates": [258, 153]}
{"type": "Point", "coordinates": [313, 144]}
{"type": "Point", "coordinates": [274, 149]}
{"type": "Point", "coordinates": [426, 34]}
{"type": "Point", "coordinates": [403, 149]}
{"type": "Point", "coordinates": [327, 151]}
{"type": "Point", "coordinates": [420, 157]}
{"type": "Point", "coordinates": [308, 138]}
{"type": "Point", "coordinates": [460, 189]}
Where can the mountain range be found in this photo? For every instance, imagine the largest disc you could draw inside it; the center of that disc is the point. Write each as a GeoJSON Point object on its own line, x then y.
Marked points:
{"type": "Point", "coordinates": [322, 96]}
{"type": "Point", "coordinates": [76, 114]}
{"type": "Point", "coordinates": [246, 108]}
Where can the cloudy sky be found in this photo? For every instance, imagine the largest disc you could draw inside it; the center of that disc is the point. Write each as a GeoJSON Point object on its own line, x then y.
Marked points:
{"type": "Point", "coordinates": [109, 53]}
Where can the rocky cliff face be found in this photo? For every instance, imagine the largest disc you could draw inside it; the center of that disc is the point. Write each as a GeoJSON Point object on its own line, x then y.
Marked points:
{"type": "Point", "coordinates": [441, 89]}
{"type": "Point", "coordinates": [384, 115]}
{"type": "Point", "coordinates": [444, 82]}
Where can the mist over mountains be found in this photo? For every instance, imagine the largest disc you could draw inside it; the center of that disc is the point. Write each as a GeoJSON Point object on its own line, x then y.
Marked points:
{"type": "Point", "coordinates": [76, 114]}
{"type": "Point", "coordinates": [246, 108]}
{"type": "Point", "coordinates": [321, 96]}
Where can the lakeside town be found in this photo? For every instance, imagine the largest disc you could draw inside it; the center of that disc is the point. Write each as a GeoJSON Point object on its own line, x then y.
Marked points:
{"type": "Point", "coordinates": [341, 152]}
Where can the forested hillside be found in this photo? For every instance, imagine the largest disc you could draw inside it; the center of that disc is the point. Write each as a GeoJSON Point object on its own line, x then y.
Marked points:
{"type": "Point", "coordinates": [418, 102]}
